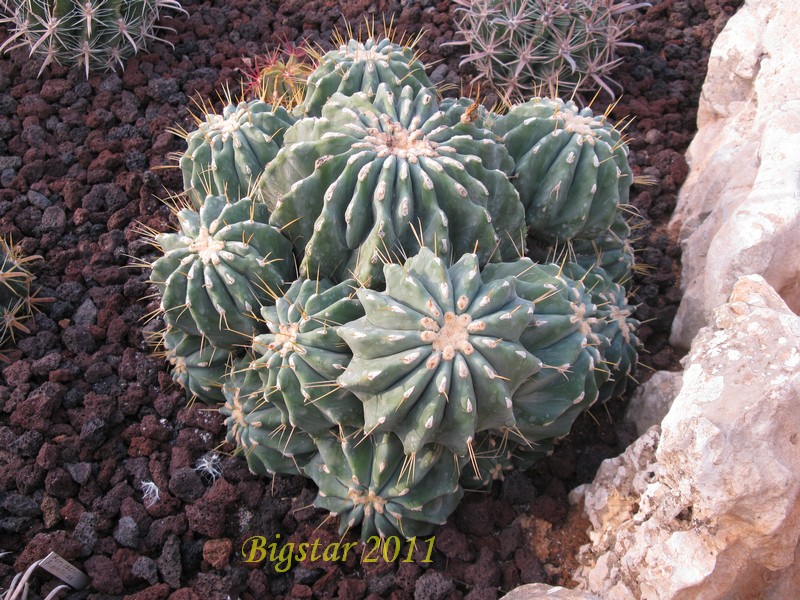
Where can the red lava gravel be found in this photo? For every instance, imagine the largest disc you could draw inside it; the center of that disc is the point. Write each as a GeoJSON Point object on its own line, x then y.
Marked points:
{"type": "Point", "coordinates": [87, 414]}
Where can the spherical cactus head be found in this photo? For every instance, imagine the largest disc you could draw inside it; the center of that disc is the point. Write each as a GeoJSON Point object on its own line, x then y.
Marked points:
{"type": "Point", "coordinates": [361, 66]}
{"type": "Point", "coordinates": [571, 168]}
{"type": "Point", "coordinates": [369, 482]}
{"type": "Point", "coordinates": [220, 268]}
{"type": "Point", "coordinates": [376, 179]}
{"type": "Point", "coordinates": [227, 153]}
{"type": "Point", "coordinates": [93, 34]}
{"type": "Point", "coordinates": [257, 427]}
{"type": "Point", "coordinates": [525, 48]}
{"type": "Point", "coordinates": [437, 357]}
{"type": "Point", "coordinates": [302, 355]}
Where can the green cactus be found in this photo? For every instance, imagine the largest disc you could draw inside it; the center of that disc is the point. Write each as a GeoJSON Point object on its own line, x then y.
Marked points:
{"type": "Point", "coordinates": [197, 366]}
{"type": "Point", "coordinates": [361, 67]}
{"type": "Point", "coordinates": [373, 180]}
{"type": "Point", "coordinates": [223, 264]}
{"type": "Point", "coordinates": [301, 357]}
{"type": "Point", "coordinates": [371, 482]}
{"type": "Point", "coordinates": [571, 168]}
{"type": "Point", "coordinates": [615, 328]}
{"type": "Point", "coordinates": [16, 300]}
{"type": "Point", "coordinates": [93, 34]}
{"type": "Point", "coordinates": [227, 153]}
{"type": "Point", "coordinates": [436, 359]}
{"type": "Point", "coordinates": [257, 427]}
{"type": "Point", "coordinates": [562, 338]}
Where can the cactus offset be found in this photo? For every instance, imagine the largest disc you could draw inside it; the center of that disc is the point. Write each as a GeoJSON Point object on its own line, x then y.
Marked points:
{"type": "Point", "coordinates": [371, 482]}
{"type": "Point", "coordinates": [376, 179]}
{"type": "Point", "coordinates": [301, 357]}
{"type": "Point", "coordinates": [562, 338]}
{"type": "Point", "coordinates": [197, 366]}
{"type": "Point", "coordinates": [94, 34]}
{"type": "Point", "coordinates": [571, 168]}
{"type": "Point", "coordinates": [221, 267]}
{"type": "Point", "coordinates": [257, 427]}
{"type": "Point", "coordinates": [436, 359]}
{"type": "Point", "coordinates": [227, 153]}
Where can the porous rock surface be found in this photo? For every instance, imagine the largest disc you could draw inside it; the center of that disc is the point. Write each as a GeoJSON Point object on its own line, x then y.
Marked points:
{"type": "Point", "coordinates": [738, 212]}
{"type": "Point", "coordinates": [709, 505]}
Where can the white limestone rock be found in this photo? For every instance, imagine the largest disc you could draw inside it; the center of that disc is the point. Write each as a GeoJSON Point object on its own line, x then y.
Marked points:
{"type": "Point", "coordinates": [541, 591]}
{"type": "Point", "coordinates": [710, 507]}
{"type": "Point", "coordinates": [651, 400]}
{"type": "Point", "coordinates": [738, 212]}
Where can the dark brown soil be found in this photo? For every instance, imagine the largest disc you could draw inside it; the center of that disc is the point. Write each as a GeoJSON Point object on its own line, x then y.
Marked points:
{"type": "Point", "coordinates": [88, 414]}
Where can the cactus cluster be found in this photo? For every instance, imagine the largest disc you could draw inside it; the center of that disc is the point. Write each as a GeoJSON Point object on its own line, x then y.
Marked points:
{"type": "Point", "coordinates": [94, 34]}
{"type": "Point", "coordinates": [366, 315]}
{"type": "Point", "coordinates": [522, 48]}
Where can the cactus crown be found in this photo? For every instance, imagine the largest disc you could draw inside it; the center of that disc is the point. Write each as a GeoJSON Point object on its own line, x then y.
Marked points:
{"type": "Point", "coordinates": [94, 34]}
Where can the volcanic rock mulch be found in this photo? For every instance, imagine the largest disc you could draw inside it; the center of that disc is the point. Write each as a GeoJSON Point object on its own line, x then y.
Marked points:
{"type": "Point", "coordinates": [88, 413]}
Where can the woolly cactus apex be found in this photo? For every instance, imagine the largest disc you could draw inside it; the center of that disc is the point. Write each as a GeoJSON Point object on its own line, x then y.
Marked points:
{"type": "Point", "coordinates": [16, 300]}
{"type": "Point", "coordinates": [227, 153]}
{"type": "Point", "coordinates": [361, 67]}
{"type": "Point", "coordinates": [223, 264]}
{"type": "Point", "coordinates": [375, 179]}
{"type": "Point", "coordinates": [93, 34]}
{"type": "Point", "coordinates": [197, 366]}
{"type": "Point", "coordinates": [492, 458]}
{"type": "Point", "coordinates": [437, 359]}
{"type": "Point", "coordinates": [370, 482]}
{"type": "Point", "coordinates": [563, 339]}
{"type": "Point", "coordinates": [257, 427]}
{"type": "Point", "coordinates": [301, 357]}
{"type": "Point", "coordinates": [571, 172]}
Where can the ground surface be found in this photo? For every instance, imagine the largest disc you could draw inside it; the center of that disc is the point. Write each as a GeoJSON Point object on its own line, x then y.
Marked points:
{"type": "Point", "coordinates": [87, 413]}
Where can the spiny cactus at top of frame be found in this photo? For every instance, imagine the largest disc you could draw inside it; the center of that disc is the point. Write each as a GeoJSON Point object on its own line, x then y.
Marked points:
{"type": "Point", "coordinates": [571, 168]}
{"type": "Point", "coordinates": [370, 482]}
{"type": "Point", "coordinates": [227, 153]}
{"type": "Point", "coordinates": [220, 268]}
{"type": "Point", "coordinates": [17, 301]}
{"type": "Point", "coordinates": [357, 66]}
{"type": "Point", "coordinates": [258, 428]}
{"type": "Point", "coordinates": [302, 355]}
{"type": "Point", "coordinates": [372, 180]}
{"type": "Point", "coordinates": [93, 34]}
{"type": "Point", "coordinates": [437, 359]}
{"type": "Point", "coordinates": [525, 47]}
